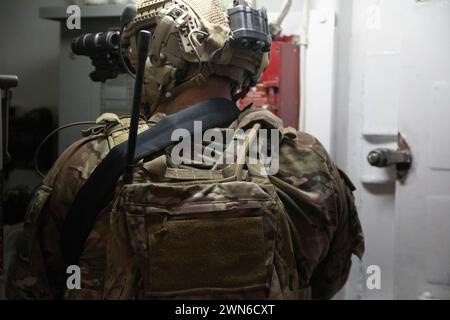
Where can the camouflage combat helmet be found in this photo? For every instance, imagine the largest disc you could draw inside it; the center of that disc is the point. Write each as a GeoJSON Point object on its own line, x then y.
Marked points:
{"type": "Point", "coordinates": [191, 42]}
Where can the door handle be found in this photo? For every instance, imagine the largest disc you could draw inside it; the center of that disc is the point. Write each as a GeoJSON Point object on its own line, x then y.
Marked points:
{"type": "Point", "coordinates": [401, 158]}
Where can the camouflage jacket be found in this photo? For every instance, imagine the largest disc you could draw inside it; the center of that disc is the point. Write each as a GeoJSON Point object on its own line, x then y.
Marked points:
{"type": "Point", "coordinates": [319, 199]}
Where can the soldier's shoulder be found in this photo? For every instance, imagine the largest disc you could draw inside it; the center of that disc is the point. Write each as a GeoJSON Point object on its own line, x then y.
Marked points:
{"type": "Point", "coordinates": [303, 156]}
{"type": "Point", "coordinates": [295, 145]}
{"type": "Point", "coordinates": [251, 116]}
{"type": "Point", "coordinates": [308, 144]}
{"type": "Point", "coordinates": [302, 139]}
{"type": "Point", "coordinates": [78, 161]}
{"type": "Point", "coordinates": [306, 165]}
{"type": "Point", "coordinates": [305, 142]}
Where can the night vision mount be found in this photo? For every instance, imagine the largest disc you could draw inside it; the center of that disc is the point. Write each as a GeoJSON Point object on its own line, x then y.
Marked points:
{"type": "Point", "coordinates": [103, 49]}
{"type": "Point", "coordinates": [250, 27]}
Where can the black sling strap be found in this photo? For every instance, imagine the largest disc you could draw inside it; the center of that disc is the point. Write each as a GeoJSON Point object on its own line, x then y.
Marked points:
{"type": "Point", "coordinates": [99, 189]}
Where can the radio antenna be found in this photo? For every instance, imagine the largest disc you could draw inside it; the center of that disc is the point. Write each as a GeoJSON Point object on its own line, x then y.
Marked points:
{"type": "Point", "coordinates": [143, 47]}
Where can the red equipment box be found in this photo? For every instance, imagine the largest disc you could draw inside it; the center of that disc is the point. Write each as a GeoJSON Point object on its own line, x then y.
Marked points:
{"type": "Point", "coordinates": [279, 87]}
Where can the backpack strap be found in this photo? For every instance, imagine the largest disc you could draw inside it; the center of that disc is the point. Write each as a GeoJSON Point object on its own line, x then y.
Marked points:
{"type": "Point", "coordinates": [254, 120]}
{"type": "Point", "coordinates": [98, 190]}
{"type": "Point", "coordinates": [249, 140]}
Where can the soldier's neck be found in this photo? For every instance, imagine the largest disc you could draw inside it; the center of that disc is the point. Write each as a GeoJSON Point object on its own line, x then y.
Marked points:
{"type": "Point", "coordinates": [214, 88]}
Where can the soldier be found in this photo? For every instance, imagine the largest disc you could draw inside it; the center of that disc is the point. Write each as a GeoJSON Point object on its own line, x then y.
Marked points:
{"type": "Point", "coordinates": [208, 230]}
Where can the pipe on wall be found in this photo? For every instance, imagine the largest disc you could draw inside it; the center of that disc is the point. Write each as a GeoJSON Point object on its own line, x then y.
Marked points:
{"type": "Point", "coordinates": [286, 8]}
{"type": "Point", "coordinates": [303, 50]}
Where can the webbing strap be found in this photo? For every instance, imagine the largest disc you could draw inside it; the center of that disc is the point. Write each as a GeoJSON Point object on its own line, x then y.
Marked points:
{"type": "Point", "coordinates": [99, 189]}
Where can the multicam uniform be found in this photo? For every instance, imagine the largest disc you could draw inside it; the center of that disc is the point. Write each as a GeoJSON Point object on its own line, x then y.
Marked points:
{"type": "Point", "coordinates": [325, 229]}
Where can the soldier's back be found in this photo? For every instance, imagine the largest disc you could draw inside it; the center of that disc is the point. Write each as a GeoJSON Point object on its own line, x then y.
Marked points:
{"type": "Point", "coordinates": [317, 197]}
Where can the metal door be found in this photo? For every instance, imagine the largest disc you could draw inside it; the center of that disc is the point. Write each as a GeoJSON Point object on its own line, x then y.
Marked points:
{"type": "Point", "coordinates": [422, 240]}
